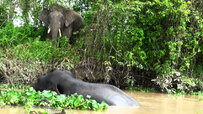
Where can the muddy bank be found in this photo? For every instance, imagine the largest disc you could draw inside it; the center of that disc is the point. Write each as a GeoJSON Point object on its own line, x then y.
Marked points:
{"type": "Point", "coordinates": [17, 71]}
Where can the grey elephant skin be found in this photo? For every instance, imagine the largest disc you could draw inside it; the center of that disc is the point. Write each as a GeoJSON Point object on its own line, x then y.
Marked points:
{"type": "Point", "coordinates": [61, 22]}
{"type": "Point", "coordinates": [63, 82]}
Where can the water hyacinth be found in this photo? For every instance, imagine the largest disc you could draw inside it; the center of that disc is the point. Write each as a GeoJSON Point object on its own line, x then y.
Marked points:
{"type": "Point", "coordinates": [26, 96]}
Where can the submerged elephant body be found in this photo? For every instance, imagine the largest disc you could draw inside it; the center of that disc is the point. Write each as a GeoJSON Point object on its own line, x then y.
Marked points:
{"type": "Point", "coordinates": [61, 22]}
{"type": "Point", "coordinates": [63, 82]}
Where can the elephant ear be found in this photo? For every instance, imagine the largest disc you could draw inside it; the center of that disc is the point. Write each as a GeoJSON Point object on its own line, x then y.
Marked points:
{"type": "Point", "coordinates": [69, 17]}
{"type": "Point", "coordinates": [44, 16]}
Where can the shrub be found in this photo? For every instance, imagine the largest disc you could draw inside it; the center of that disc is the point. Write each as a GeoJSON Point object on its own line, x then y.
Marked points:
{"type": "Point", "coordinates": [161, 36]}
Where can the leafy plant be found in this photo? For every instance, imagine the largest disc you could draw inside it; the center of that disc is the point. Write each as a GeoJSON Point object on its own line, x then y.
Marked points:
{"type": "Point", "coordinates": [26, 96]}
{"type": "Point", "coordinates": [161, 36]}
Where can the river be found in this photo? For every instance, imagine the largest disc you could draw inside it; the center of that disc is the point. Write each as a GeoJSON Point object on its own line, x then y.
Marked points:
{"type": "Point", "coordinates": [151, 103]}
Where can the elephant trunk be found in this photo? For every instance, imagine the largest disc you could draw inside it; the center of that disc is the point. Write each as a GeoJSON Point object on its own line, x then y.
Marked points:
{"type": "Point", "coordinates": [34, 85]}
{"type": "Point", "coordinates": [54, 33]}
{"type": "Point", "coordinates": [58, 31]}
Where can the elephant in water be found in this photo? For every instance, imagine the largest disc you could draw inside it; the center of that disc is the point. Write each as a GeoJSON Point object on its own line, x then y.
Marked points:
{"type": "Point", "coordinates": [61, 21]}
{"type": "Point", "coordinates": [63, 82]}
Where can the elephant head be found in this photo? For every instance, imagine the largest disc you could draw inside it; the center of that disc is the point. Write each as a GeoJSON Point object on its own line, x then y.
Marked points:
{"type": "Point", "coordinates": [61, 22]}
{"type": "Point", "coordinates": [52, 80]}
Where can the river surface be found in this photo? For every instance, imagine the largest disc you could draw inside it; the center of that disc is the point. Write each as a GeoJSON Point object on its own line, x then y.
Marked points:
{"type": "Point", "coordinates": [151, 103]}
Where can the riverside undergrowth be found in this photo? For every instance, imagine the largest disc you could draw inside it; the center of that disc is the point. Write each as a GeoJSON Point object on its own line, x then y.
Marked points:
{"type": "Point", "coordinates": [174, 91]}
{"type": "Point", "coordinates": [156, 43]}
{"type": "Point", "coordinates": [26, 96]}
{"type": "Point", "coordinates": [26, 53]}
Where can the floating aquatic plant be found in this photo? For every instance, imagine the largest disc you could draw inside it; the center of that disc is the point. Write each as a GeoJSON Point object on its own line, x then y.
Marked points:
{"type": "Point", "coordinates": [26, 96]}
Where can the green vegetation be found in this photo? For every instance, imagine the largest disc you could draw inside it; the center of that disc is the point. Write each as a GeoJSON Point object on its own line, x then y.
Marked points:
{"type": "Point", "coordinates": [199, 111]}
{"type": "Point", "coordinates": [171, 91]}
{"type": "Point", "coordinates": [25, 43]}
{"type": "Point", "coordinates": [181, 92]}
{"type": "Point", "coordinates": [130, 43]}
{"type": "Point", "coordinates": [141, 89]}
{"type": "Point", "coordinates": [26, 96]}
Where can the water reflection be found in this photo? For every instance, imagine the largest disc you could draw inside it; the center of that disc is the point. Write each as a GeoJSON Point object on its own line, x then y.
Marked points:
{"type": "Point", "coordinates": [151, 103]}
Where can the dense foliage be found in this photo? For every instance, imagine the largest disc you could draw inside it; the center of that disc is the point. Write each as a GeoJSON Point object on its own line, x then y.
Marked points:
{"type": "Point", "coordinates": [162, 36]}
{"type": "Point", "coordinates": [26, 96]}
{"type": "Point", "coordinates": [131, 42]}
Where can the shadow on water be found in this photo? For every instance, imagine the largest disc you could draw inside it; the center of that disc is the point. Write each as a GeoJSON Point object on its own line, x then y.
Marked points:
{"type": "Point", "coordinates": [151, 103]}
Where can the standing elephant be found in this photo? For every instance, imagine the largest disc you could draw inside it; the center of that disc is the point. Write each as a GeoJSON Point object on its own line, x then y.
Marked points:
{"type": "Point", "coordinates": [63, 82]}
{"type": "Point", "coordinates": [61, 21]}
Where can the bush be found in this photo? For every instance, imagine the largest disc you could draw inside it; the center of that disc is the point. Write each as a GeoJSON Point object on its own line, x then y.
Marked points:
{"type": "Point", "coordinates": [3, 16]}
{"type": "Point", "coordinates": [25, 43]}
{"type": "Point", "coordinates": [24, 55]}
{"type": "Point", "coordinates": [160, 36]}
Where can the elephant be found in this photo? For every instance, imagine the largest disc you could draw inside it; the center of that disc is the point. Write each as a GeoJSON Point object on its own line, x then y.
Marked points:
{"type": "Point", "coordinates": [62, 22]}
{"type": "Point", "coordinates": [63, 82]}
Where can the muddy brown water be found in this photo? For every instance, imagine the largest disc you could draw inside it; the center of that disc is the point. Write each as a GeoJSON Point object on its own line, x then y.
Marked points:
{"type": "Point", "coordinates": [151, 103]}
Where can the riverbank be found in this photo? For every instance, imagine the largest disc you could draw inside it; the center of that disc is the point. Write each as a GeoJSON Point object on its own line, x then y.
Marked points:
{"type": "Point", "coordinates": [172, 92]}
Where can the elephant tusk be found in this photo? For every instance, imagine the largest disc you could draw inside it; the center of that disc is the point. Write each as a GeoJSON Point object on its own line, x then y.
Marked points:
{"type": "Point", "coordinates": [49, 30]}
{"type": "Point", "coordinates": [60, 32]}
